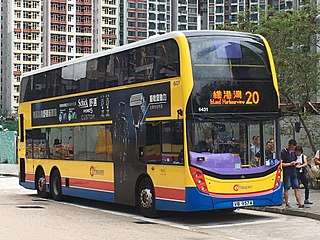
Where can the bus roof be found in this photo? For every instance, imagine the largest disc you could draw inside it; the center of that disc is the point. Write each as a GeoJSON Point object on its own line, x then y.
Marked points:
{"type": "Point", "coordinates": [152, 39]}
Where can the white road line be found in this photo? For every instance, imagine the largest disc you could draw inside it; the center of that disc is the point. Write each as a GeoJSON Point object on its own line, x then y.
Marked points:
{"type": "Point", "coordinates": [140, 218]}
{"type": "Point", "coordinates": [240, 224]}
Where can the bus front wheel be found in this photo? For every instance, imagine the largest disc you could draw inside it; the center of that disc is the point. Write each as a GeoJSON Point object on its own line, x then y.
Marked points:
{"type": "Point", "coordinates": [146, 198]}
{"type": "Point", "coordinates": [55, 186]}
{"type": "Point", "coordinates": [41, 184]}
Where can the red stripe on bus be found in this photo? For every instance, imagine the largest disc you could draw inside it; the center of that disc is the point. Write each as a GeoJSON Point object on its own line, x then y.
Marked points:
{"type": "Point", "coordinates": [255, 194]}
{"type": "Point", "coordinates": [170, 193]}
{"type": "Point", "coordinates": [29, 177]}
{"type": "Point", "coordinates": [91, 184]}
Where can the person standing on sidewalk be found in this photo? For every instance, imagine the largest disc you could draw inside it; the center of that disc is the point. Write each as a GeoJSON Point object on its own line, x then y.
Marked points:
{"type": "Point", "coordinates": [290, 178]}
{"type": "Point", "coordinates": [301, 172]}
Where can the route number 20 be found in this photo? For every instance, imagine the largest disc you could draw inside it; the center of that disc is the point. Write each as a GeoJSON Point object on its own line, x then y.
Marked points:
{"type": "Point", "coordinates": [252, 97]}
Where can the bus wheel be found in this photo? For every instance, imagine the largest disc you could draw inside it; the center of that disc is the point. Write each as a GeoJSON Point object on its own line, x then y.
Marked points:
{"type": "Point", "coordinates": [41, 184]}
{"type": "Point", "coordinates": [55, 186]}
{"type": "Point", "coordinates": [146, 198]}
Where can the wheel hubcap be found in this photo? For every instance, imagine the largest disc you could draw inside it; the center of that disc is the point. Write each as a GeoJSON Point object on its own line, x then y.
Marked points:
{"type": "Point", "coordinates": [42, 184]}
{"type": "Point", "coordinates": [146, 198]}
{"type": "Point", "coordinates": [56, 186]}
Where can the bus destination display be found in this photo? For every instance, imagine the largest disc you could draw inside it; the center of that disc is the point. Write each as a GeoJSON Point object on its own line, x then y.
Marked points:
{"type": "Point", "coordinates": [235, 97]}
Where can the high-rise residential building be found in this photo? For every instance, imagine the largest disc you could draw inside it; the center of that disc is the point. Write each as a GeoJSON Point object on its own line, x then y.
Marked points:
{"type": "Point", "coordinates": [105, 21]}
{"type": "Point", "coordinates": [140, 19]}
{"type": "Point", "coordinates": [67, 30]}
{"type": "Point", "coordinates": [21, 47]}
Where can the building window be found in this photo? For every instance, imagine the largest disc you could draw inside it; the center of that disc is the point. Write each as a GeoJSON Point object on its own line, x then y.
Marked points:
{"type": "Point", "coordinates": [142, 34]}
{"type": "Point", "coordinates": [219, 18]}
{"type": "Point", "coordinates": [131, 24]}
{"type": "Point", "coordinates": [131, 14]}
{"type": "Point", "coordinates": [142, 15]}
{"type": "Point", "coordinates": [131, 5]}
{"type": "Point", "coordinates": [131, 33]}
{"type": "Point", "coordinates": [17, 3]}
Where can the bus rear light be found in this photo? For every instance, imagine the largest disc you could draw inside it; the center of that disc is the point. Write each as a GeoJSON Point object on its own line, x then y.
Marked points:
{"type": "Point", "coordinates": [278, 177]}
{"type": "Point", "coordinates": [198, 179]}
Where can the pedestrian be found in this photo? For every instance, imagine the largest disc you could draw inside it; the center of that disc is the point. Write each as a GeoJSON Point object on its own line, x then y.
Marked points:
{"type": "Point", "coordinates": [301, 172]}
{"type": "Point", "coordinates": [290, 178]}
{"type": "Point", "coordinates": [316, 158]}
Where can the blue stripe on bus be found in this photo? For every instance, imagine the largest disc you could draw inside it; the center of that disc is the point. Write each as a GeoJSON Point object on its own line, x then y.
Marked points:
{"type": "Point", "coordinates": [27, 185]}
{"type": "Point", "coordinates": [168, 205]}
{"type": "Point", "coordinates": [197, 201]}
{"type": "Point", "coordinates": [89, 194]}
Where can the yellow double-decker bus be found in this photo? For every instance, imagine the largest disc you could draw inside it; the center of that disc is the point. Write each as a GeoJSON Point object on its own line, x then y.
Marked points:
{"type": "Point", "coordinates": [185, 121]}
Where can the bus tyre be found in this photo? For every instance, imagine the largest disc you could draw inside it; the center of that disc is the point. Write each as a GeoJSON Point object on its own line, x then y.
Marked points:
{"type": "Point", "coordinates": [55, 186]}
{"type": "Point", "coordinates": [41, 184]}
{"type": "Point", "coordinates": [146, 198]}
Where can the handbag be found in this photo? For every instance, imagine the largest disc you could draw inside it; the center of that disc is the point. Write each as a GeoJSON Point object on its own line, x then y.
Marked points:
{"type": "Point", "coordinates": [312, 172]}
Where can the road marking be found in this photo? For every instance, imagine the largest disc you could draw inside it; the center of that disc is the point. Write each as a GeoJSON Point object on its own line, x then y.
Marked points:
{"type": "Point", "coordinates": [255, 222]}
{"type": "Point", "coordinates": [140, 218]}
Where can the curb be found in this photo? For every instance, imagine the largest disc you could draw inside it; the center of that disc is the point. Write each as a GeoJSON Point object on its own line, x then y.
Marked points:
{"type": "Point", "coordinates": [292, 212]}
{"type": "Point", "coordinates": [9, 174]}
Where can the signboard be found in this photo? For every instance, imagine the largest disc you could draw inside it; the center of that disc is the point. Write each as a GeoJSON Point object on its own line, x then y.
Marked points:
{"type": "Point", "coordinates": [234, 96]}
{"type": "Point", "coordinates": [153, 101]}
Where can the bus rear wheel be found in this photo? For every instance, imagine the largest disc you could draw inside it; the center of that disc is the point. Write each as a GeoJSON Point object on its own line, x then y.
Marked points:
{"type": "Point", "coordinates": [55, 186]}
{"type": "Point", "coordinates": [41, 184]}
{"type": "Point", "coordinates": [146, 198]}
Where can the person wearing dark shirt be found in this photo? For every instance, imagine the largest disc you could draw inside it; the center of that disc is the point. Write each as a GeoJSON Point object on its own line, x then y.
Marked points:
{"type": "Point", "coordinates": [290, 178]}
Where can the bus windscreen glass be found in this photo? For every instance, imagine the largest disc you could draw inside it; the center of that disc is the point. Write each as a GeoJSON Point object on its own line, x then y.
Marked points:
{"type": "Point", "coordinates": [224, 58]}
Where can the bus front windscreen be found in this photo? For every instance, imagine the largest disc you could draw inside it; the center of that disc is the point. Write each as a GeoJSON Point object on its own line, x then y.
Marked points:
{"type": "Point", "coordinates": [231, 144]}
{"type": "Point", "coordinates": [229, 58]}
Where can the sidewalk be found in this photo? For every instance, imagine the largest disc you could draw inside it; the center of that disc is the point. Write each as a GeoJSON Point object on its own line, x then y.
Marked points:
{"type": "Point", "coordinates": [7, 169]}
{"type": "Point", "coordinates": [312, 212]}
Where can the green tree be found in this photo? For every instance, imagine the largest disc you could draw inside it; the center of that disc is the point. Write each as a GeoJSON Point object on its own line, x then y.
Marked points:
{"type": "Point", "coordinates": [293, 40]}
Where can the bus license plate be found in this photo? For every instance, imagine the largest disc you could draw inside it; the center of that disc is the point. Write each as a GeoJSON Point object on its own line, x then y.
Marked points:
{"type": "Point", "coordinates": [243, 203]}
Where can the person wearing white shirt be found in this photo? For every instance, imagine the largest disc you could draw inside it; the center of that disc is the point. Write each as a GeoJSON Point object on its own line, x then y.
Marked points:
{"type": "Point", "coordinates": [302, 163]}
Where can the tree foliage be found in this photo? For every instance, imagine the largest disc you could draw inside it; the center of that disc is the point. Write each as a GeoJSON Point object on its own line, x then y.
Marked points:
{"type": "Point", "coordinates": [293, 37]}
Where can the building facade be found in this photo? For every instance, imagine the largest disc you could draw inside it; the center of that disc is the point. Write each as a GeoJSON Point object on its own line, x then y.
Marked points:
{"type": "Point", "coordinates": [67, 30]}
{"type": "Point", "coordinates": [21, 47]}
{"type": "Point", "coordinates": [105, 18]}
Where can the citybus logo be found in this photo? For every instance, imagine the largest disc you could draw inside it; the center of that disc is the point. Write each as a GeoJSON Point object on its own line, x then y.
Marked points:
{"type": "Point", "coordinates": [241, 187]}
{"type": "Point", "coordinates": [94, 171]}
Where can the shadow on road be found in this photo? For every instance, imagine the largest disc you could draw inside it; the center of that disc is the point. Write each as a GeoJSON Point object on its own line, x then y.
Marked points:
{"type": "Point", "coordinates": [184, 218]}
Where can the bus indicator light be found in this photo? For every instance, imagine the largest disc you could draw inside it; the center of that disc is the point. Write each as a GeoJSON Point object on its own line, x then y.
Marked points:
{"type": "Point", "coordinates": [278, 177]}
{"type": "Point", "coordinates": [198, 179]}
